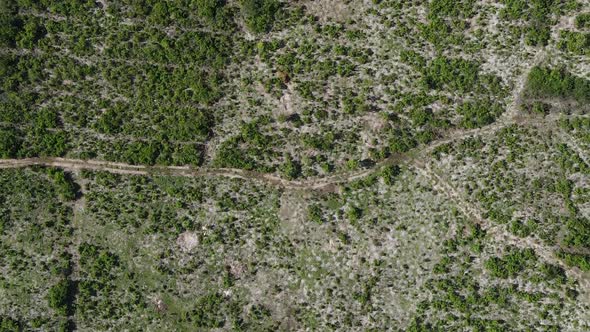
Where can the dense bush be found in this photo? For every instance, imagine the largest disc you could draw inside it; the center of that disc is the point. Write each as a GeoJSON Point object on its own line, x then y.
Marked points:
{"type": "Point", "coordinates": [577, 43]}
{"type": "Point", "coordinates": [290, 169]}
{"type": "Point", "coordinates": [478, 114]}
{"type": "Point", "coordinates": [65, 186]}
{"type": "Point", "coordinates": [9, 143]}
{"type": "Point", "coordinates": [8, 324]}
{"type": "Point", "coordinates": [456, 74]}
{"type": "Point", "coordinates": [314, 213]}
{"type": "Point", "coordinates": [60, 297]}
{"type": "Point", "coordinates": [389, 174]}
{"type": "Point", "coordinates": [583, 21]}
{"type": "Point", "coordinates": [207, 312]}
{"type": "Point", "coordinates": [510, 264]}
{"type": "Point", "coordinates": [557, 82]}
{"type": "Point", "coordinates": [9, 28]}
{"type": "Point", "coordinates": [259, 15]}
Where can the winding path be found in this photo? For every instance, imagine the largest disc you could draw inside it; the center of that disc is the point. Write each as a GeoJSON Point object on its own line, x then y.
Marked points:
{"type": "Point", "coordinates": [328, 183]}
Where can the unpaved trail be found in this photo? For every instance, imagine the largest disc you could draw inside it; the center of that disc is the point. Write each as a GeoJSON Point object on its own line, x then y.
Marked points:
{"type": "Point", "coordinates": [328, 183]}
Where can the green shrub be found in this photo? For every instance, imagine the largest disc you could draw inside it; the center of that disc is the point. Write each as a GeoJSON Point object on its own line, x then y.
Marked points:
{"type": "Point", "coordinates": [314, 213]}
{"type": "Point", "coordinates": [390, 173]}
{"type": "Point", "coordinates": [207, 312]}
{"type": "Point", "coordinates": [259, 15]}
{"type": "Point", "coordinates": [9, 143]}
{"type": "Point", "coordinates": [456, 74]}
{"type": "Point", "coordinates": [66, 187]}
{"type": "Point", "coordinates": [59, 297]}
{"type": "Point", "coordinates": [583, 21]}
{"type": "Point", "coordinates": [510, 264]}
{"type": "Point", "coordinates": [577, 43]}
{"type": "Point", "coordinates": [579, 260]}
{"type": "Point", "coordinates": [478, 114]}
{"type": "Point", "coordinates": [290, 169]}
{"type": "Point", "coordinates": [8, 324]}
{"type": "Point", "coordinates": [9, 28]}
{"type": "Point", "coordinates": [354, 213]}
{"type": "Point", "coordinates": [547, 82]}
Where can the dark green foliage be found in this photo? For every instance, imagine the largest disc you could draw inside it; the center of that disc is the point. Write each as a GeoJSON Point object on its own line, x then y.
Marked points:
{"type": "Point", "coordinates": [537, 13]}
{"type": "Point", "coordinates": [251, 133]}
{"type": "Point", "coordinates": [33, 30]}
{"type": "Point", "coordinates": [354, 213]}
{"type": "Point", "coordinates": [209, 8]}
{"type": "Point", "coordinates": [315, 214]}
{"type": "Point", "coordinates": [230, 155]}
{"type": "Point", "coordinates": [60, 297]}
{"type": "Point", "coordinates": [413, 58]}
{"type": "Point", "coordinates": [452, 73]}
{"type": "Point", "coordinates": [577, 43]}
{"type": "Point", "coordinates": [259, 15]}
{"type": "Point", "coordinates": [290, 169]}
{"type": "Point", "coordinates": [579, 260]}
{"type": "Point", "coordinates": [514, 9]}
{"type": "Point", "coordinates": [8, 324]}
{"type": "Point", "coordinates": [321, 142]}
{"type": "Point", "coordinates": [188, 154]}
{"type": "Point", "coordinates": [97, 262]}
{"type": "Point", "coordinates": [9, 143]}
{"type": "Point", "coordinates": [207, 312]}
{"type": "Point", "coordinates": [389, 174]}
{"type": "Point", "coordinates": [578, 233]}
{"type": "Point", "coordinates": [553, 272]}
{"type": "Point", "coordinates": [510, 264]}
{"type": "Point", "coordinates": [145, 153]}
{"type": "Point", "coordinates": [547, 83]}
{"type": "Point", "coordinates": [538, 107]}
{"type": "Point", "coordinates": [111, 121]}
{"type": "Point", "coordinates": [9, 28]}
{"type": "Point", "coordinates": [66, 187]}
{"type": "Point", "coordinates": [583, 21]}
{"type": "Point", "coordinates": [402, 141]}
{"type": "Point", "coordinates": [190, 124]}
{"type": "Point", "coordinates": [538, 35]}
{"type": "Point", "coordinates": [45, 143]}
{"type": "Point", "coordinates": [446, 21]}
{"type": "Point", "coordinates": [478, 114]}
{"type": "Point", "coordinates": [442, 8]}
{"type": "Point", "coordinates": [421, 116]}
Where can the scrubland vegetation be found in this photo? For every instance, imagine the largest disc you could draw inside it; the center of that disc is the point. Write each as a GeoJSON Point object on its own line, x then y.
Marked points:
{"type": "Point", "coordinates": [351, 165]}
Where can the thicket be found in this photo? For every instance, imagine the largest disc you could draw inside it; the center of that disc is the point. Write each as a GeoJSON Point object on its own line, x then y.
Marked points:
{"type": "Point", "coordinates": [582, 21]}
{"type": "Point", "coordinates": [60, 297]}
{"type": "Point", "coordinates": [259, 15]}
{"type": "Point", "coordinates": [65, 186]}
{"type": "Point", "coordinates": [446, 21]}
{"type": "Point", "coordinates": [536, 13]}
{"type": "Point", "coordinates": [476, 114]}
{"type": "Point", "coordinates": [577, 43]}
{"type": "Point", "coordinates": [452, 73]}
{"type": "Point", "coordinates": [557, 83]}
{"type": "Point", "coordinates": [510, 264]}
{"type": "Point", "coordinates": [572, 259]}
{"type": "Point", "coordinates": [8, 324]}
{"type": "Point", "coordinates": [389, 174]}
